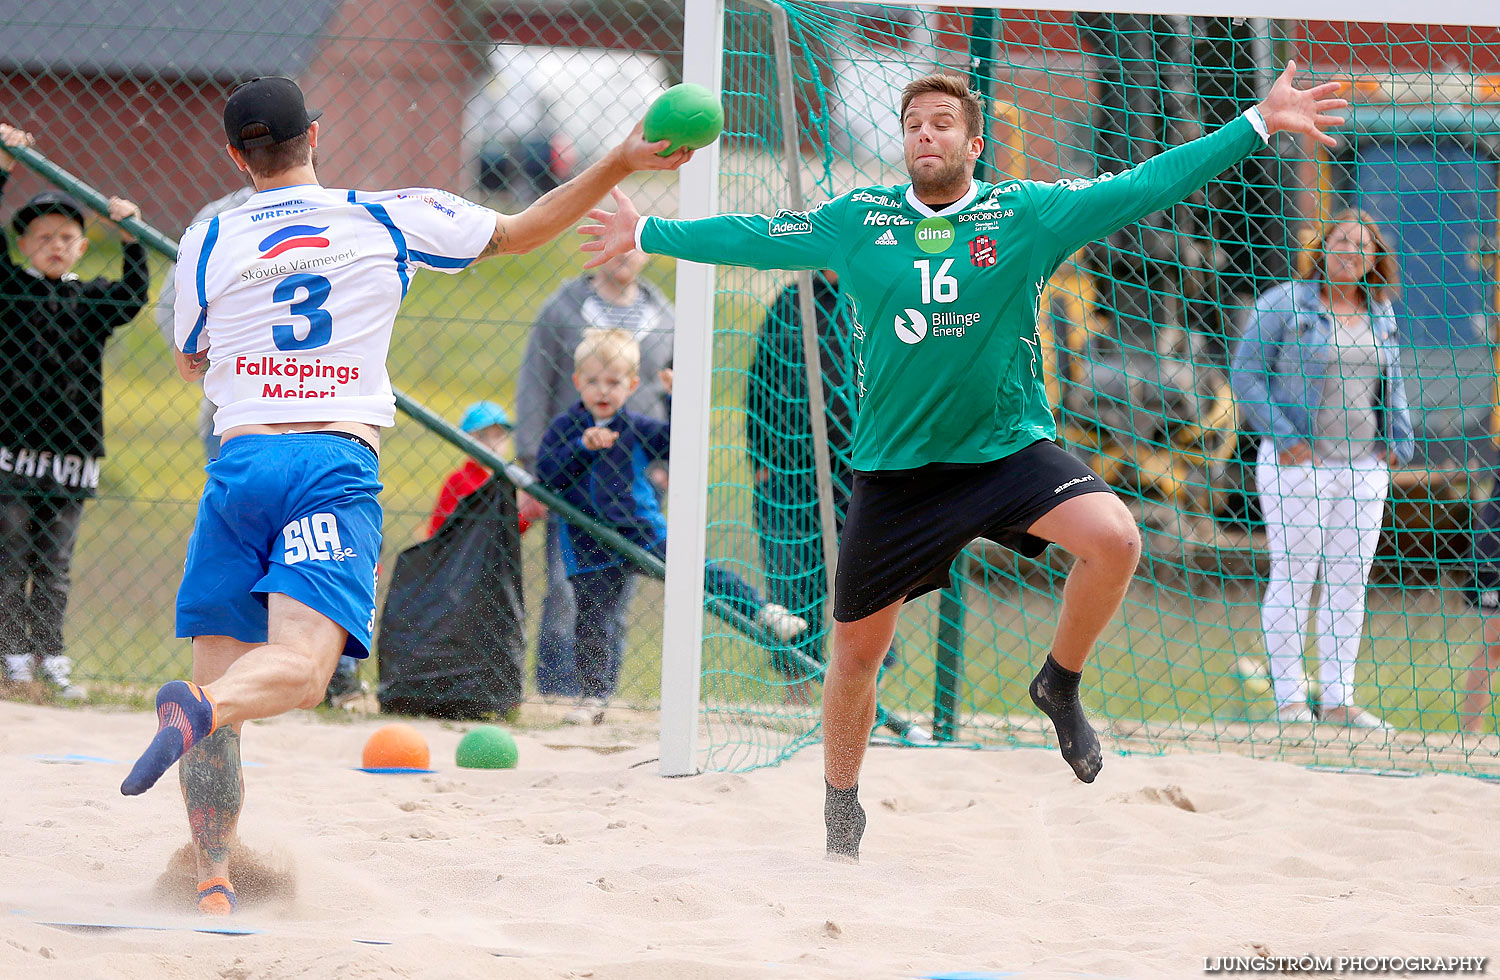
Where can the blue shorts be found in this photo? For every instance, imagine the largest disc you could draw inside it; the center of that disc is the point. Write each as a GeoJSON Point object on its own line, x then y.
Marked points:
{"type": "Point", "coordinates": [295, 514]}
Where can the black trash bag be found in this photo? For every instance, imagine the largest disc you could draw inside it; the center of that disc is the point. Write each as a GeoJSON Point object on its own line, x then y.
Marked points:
{"type": "Point", "coordinates": [451, 634]}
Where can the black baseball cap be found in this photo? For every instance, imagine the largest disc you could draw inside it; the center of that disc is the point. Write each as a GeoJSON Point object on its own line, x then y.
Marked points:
{"type": "Point", "coordinates": [272, 101]}
{"type": "Point", "coordinates": [47, 202]}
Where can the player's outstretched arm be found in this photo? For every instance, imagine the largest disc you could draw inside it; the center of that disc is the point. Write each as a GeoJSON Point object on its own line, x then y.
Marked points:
{"type": "Point", "coordinates": [559, 208]}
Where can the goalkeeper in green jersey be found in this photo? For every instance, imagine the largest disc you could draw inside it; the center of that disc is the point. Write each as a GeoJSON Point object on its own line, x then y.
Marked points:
{"type": "Point", "coordinates": [954, 435]}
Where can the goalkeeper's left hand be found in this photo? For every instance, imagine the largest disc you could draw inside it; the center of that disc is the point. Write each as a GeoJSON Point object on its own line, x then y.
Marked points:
{"type": "Point", "coordinates": [615, 232]}
{"type": "Point", "coordinates": [1287, 108]}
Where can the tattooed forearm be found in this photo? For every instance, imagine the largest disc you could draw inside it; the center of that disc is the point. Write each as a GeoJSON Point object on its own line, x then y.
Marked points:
{"type": "Point", "coordinates": [499, 238]}
{"type": "Point", "coordinates": [500, 241]}
{"type": "Point", "coordinates": [548, 197]}
{"type": "Point", "coordinates": [213, 790]}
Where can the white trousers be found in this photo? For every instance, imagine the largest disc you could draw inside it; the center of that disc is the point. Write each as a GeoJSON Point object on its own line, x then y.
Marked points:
{"type": "Point", "coordinates": [1322, 521]}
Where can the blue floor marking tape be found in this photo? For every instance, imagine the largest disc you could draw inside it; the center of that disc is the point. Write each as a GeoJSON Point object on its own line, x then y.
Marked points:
{"type": "Point", "coordinates": [77, 759]}
{"type": "Point", "coordinates": [391, 769]}
{"type": "Point", "coordinates": [122, 926]}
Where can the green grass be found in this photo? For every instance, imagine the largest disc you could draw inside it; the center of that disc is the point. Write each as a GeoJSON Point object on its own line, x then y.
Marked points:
{"type": "Point", "coordinates": [1168, 661]}
{"type": "Point", "coordinates": [460, 338]}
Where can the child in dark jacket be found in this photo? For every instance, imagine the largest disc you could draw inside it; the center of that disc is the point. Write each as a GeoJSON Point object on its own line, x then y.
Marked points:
{"type": "Point", "coordinates": [596, 456]}
{"type": "Point", "coordinates": [53, 328]}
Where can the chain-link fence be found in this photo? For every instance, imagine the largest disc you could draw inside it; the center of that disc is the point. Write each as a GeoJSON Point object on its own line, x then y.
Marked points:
{"type": "Point", "coordinates": [1366, 590]}
{"type": "Point", "coordinates": [498, 103]}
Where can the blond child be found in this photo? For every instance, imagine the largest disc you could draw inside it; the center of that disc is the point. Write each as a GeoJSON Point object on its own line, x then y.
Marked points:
{"type": "Point", "coordinates": [595, 455]}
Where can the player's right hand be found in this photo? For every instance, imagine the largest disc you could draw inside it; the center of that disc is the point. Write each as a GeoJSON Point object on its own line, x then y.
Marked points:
{"type": "Point", "coordinates": [641, 155]}
{"type": "Point", "coordinates": [614, 234]}
{"type": "Point", "coordinates": [11, 136]}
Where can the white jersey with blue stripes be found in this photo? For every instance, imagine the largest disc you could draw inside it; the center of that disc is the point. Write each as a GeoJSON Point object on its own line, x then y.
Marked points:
{"type": "Point", "coordinates": [294, 294]}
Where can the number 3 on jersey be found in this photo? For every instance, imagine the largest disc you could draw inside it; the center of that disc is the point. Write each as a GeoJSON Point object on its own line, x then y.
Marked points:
{"type": "Point", "coordinates": [307, 294]}
{"type": "Point", "coordinates": [941, 288]}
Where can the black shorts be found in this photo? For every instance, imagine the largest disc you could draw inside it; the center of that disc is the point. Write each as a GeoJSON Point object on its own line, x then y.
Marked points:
{"type": "Point", "coordinates": [905, 527]}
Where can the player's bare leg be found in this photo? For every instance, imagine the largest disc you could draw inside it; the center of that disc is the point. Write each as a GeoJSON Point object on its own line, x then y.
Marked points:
{"type": "Point", "coordinates": [848, 715]}
{"type": "Point", "coordinates": [1098, 530]}
{"type": "Point", "coordinates": [213, 790]}
{"type": "Point", "coordinates": [291, 671]}
{"type": "Point", "coordinates": [239, 681]}
{"type": "Point", "coordinates": [234, 682]}
{"type": "Point", "coordinates": [213, 787]}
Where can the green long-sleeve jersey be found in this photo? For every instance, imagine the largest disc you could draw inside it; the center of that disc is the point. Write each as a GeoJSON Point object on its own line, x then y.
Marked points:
{"type": "Point", "coordinates": [948, 351]}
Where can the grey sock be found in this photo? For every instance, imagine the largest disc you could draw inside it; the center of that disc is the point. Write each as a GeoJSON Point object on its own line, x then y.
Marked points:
{"type": "Point", "coordinates": [844, 819]}
{"type": "Point", "coordinates": [1055, 691]}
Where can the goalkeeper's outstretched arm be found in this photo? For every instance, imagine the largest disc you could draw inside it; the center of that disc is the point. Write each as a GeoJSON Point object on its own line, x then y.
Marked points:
{"type": "Point", "coordinates": [1075, 212]}
{"type": "Point", "coordinates": [785, 240]}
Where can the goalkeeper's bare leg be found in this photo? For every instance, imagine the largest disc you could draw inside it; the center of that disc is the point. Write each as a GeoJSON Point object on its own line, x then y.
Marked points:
{"type": "Point", "coordinates": [859, 648]}
{"type": "Point", "coordinates": [1099, 531]}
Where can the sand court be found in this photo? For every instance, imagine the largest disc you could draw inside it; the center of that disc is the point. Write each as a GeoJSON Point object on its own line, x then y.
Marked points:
{"type": "Point", "coordinates": [583, 862]}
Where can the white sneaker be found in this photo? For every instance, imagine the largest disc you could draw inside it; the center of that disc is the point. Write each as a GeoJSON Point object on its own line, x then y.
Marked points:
{"type": "Point", "coordinates": [917, 735]}
{"type": "Point", "coordinates": [346, 697]}
{"type": "Point", "coordinates": [588, 711]}
{"type": "Point", "coordinates": [908, 730]}
{"type": "Point", "coordinates": [780, 621]}
{"type": "Point", "coordinates": [58, 669]}
{"type": "Point", "coordinates": [1294, 712]}
{"type": "Point", "coordinates": [1354, 717]}
{"type": "Point", "coordinates": [18, 667]}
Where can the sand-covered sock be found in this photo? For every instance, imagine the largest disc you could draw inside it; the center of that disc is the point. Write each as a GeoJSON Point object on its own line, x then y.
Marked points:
{"type": "Point", "coordinates": [1055, 691]}
{"type": "Point", "coordinates": [845, 820]}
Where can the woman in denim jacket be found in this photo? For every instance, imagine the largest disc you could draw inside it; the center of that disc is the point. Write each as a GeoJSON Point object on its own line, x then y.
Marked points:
{"type": "Point", "coordinates": [1318, 375]}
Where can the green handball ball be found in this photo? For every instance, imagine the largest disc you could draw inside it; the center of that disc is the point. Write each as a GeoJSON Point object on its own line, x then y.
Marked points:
{"type": "Point", "coordinates": [689, 115]}
{"type": "Point", "coordinates": [487, 747]}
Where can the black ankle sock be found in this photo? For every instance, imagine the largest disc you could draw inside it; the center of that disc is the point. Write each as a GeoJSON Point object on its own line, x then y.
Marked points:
{"type": "Point", "coordinates": [845, 820]}
{"type": "Point", "coordinates": [1055, 691]}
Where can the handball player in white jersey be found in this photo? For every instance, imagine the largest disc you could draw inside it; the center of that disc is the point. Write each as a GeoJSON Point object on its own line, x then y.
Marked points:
{"type": "Point", "coordinates": [285, 307]}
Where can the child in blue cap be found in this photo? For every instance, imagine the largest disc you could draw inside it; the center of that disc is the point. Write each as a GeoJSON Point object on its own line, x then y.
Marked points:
{"type": "Point", "coordinates": [490, 425]}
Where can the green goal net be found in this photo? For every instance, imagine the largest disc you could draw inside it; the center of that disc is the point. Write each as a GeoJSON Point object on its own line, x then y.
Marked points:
{"type": "Point", "coordinates": [1139, 333]}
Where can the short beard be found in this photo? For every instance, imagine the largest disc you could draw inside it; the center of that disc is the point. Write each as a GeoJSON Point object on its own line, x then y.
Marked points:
{"type": "Point", "coordinates": [953, 178]}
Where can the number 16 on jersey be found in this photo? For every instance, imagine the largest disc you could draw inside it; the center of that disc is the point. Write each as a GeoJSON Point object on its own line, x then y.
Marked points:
{"type": "Point", "coordinates": [939, 288]}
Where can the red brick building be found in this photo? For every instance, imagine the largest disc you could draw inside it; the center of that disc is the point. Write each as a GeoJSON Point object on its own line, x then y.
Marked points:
{"type": "Point", "coordinates": [129, 97]}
